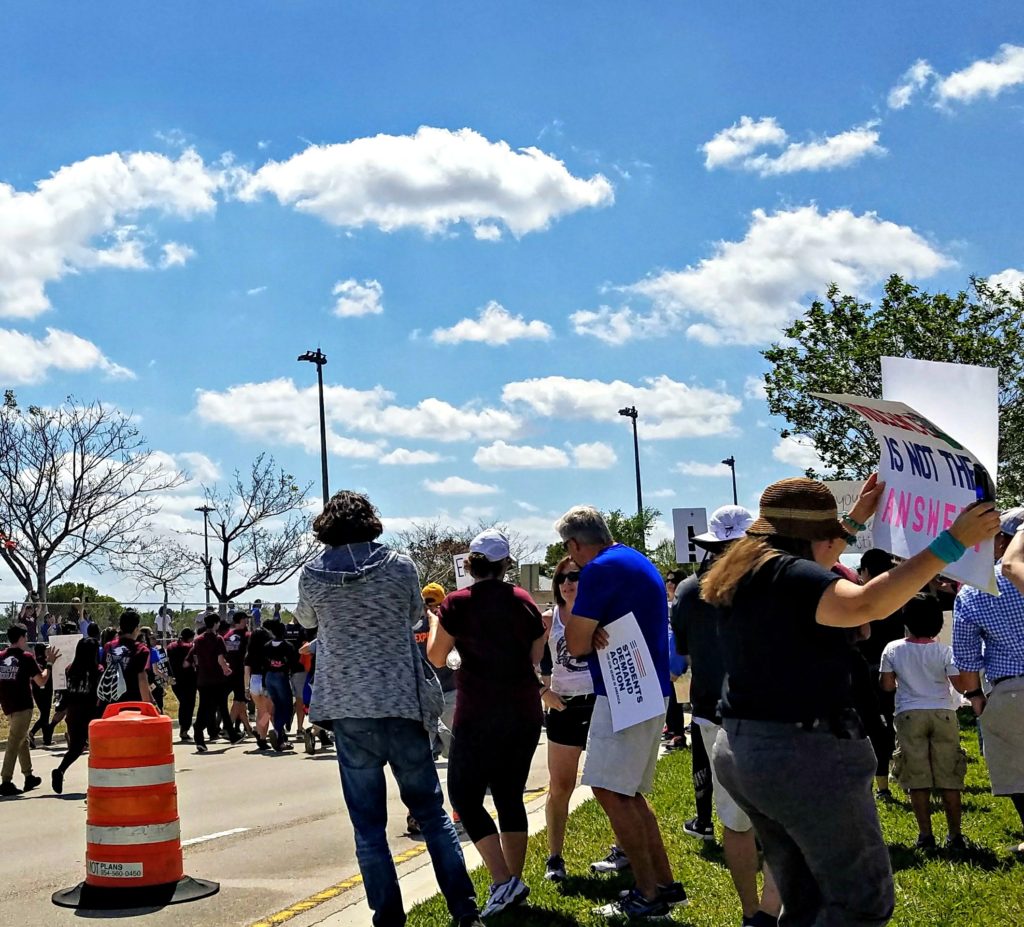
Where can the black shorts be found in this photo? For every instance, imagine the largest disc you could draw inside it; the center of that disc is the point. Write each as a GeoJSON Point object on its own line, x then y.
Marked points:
{"type": "Point", "coordinates": [571, 726]}
{"type": "Point", "coordinates": [236, 686]}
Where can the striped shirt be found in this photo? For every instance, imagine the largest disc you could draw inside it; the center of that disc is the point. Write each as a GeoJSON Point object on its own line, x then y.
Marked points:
{"type": "Point", "coordinates": [988, 630]}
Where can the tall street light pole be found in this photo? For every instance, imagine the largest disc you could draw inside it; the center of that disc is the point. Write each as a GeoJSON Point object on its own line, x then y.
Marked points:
{"type": "Point", "coordinates": [631, 413]}
{"type": "Point", "coordinates": [730, 462]}
{"type": "Point", "coordinates": [206, 509]}
{"type": "Point", "coordinates": [319, 358]}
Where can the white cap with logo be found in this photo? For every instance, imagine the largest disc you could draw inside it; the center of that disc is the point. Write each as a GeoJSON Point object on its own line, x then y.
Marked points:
{"type": "Point", "coordinates": [726, 524]}
{"type": "Point", "coordinates": [491, 543]}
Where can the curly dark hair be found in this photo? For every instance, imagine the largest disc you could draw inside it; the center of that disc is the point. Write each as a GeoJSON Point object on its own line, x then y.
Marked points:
{"type": "Point", "coordinates": [348, 518]}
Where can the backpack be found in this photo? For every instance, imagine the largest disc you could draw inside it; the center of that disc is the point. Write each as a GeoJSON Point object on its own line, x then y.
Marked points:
{"type": "Point", "coordinates": [112, 686]}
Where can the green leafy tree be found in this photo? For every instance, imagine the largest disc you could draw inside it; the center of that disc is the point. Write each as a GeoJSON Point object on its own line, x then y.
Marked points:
{"type": "Point", "coordinates": [631, 530]}
{"type": "Point", "coordinates": [103, 609]}
{"type": "Point", "coordinates": [837, 346]}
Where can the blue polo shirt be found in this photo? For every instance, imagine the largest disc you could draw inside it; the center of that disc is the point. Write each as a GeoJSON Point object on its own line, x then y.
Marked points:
{"type": "Point", "coordinates": [621, 580]}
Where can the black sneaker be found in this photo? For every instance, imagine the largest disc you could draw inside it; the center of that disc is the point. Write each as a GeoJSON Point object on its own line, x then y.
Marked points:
{"type": "Point", "coordinates": [261, 743]}
{"type": "Point", "coordinates": [554, 869]}
{"type": "Point", "coordinates": [696, 828]}
{"type": "Point", "coordinates": [201, 747]}
{"type": "Point", "coordinates": [9, 789]}
{"type": "Point", "coordinates": [760, 919]}
{"type": "Point", "coordinates": [411, 826]}
{"type": "Point", "coordinates": [635, 907]}
{"type": "Point", "coordinates": [925, 842]}
{"type": "Point", "coordinates": [673, 894]}
{"type": "Point", "coordinates": [31, 782]}
{"type": "Point", "coordinates": [956, 844]}
{"type": "Point", "coordinates": [185, 738]}
{"type": "Point", "coordinates": [57, 781]}
{"type": "Point", "coordinates": [615, 861]}
{"type": "Point", "coordinates": [272, 739]}
{"type": "Point", "coordinates": [309, 741]}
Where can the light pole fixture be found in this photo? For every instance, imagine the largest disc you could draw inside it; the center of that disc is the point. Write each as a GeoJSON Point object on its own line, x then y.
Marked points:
{"type": "Point", "coordinates": [730, 462]}
{"type": "Point", "coordinates": [319, 358]}
{"type": "Point", "coordinates": [631, 413]}
{"type": "Point", "coordinates": [206, 509]}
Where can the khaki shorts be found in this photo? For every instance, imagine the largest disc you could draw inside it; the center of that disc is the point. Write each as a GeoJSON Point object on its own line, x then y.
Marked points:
{"type": "Point", "coordinates": [928, 754]}
{"type": "Point", "coordinates": [1002, 724]}
{"type": "Point", "coordinates": [729, 813]}
{"type": "Point", "coordinates": [622, 762]}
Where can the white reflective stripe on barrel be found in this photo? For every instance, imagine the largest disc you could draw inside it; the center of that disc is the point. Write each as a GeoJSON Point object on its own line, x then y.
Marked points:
{"type": "Point", "coordinates": [131, 776]}
{"type": "Point", "coordinates": [126, 835]}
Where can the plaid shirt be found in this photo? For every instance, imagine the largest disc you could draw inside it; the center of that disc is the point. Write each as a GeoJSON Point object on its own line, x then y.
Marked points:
{"type": "Point", "coordinates": [988, 630]}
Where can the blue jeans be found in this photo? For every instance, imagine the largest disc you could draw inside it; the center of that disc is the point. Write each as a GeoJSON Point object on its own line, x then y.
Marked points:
{"type": "Point", "coordinates": [279, 688]}
{"type": "Point", "coordinates": [364, 745]}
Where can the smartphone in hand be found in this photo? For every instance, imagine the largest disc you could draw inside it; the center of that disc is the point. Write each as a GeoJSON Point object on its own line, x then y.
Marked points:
{"type": "Point", "coordinates": [984, 488]}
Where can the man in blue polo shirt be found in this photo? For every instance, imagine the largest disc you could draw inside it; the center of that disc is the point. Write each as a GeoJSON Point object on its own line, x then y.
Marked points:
{"type": "Point", "coordinates": [614, 581]}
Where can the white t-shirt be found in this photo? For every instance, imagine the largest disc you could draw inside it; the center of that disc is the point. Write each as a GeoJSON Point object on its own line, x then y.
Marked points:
{"type": "Point", "coordinates": [922, 674]}
{"type": "Point", "coordinates": [569, 676]}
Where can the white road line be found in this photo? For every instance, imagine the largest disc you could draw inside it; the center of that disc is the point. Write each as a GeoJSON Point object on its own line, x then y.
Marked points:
{"type": "Point", "coordinates": [206, 837]}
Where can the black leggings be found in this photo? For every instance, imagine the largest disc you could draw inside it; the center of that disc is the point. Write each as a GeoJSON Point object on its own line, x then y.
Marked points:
{"type": "Point", "coordinates": [494, 755]}
{"type": "Point", "coordinates": [78, 717]}
{"type": "Point", "coordinates": [44, 699]}
{"type": "Point", "coordinates": [703, 789]}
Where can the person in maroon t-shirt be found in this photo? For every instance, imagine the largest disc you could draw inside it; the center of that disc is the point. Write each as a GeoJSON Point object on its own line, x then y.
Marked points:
{"type": "Point", "coordinates": [132, 656]}
{"type": "Point", "coordinates": [183, 680]}
{"type": "Point", "coordinates": [236, 641]}
{"type": "Point", "coordinates": [209, 655]}
{"type": "Point", "coordinates": [18, 671]}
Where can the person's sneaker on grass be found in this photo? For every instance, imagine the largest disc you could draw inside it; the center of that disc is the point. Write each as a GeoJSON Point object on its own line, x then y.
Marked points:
{"type": "Point", "coordinates": [699, 829]}
{"type": "Point", "coordinates": [31, 782]}
{"type": "Point", "coordinates": [554, 869]}
{"type": "Point", "coordinates": [955, 843]}
{"type": "Point", "coordinates": [635, 907]}
{"type": "Point", "coordinates": [924, 842]}
{"type": "Point", "coordinates": [615, 861]}
{"type": "Point", "coordinates": [760, 919]}
{"type": "Point", "coordinates": [511, 892]}
{"type": "Point", "coordinates": [673, 894]}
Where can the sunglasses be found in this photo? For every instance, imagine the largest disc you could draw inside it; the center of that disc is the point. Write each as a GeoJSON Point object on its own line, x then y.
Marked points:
{"type": "Point", "coordinates": [573, 577]}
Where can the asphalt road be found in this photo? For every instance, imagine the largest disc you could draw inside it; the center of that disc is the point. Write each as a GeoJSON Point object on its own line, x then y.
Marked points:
{"type": "Point", "coordinates": [271, 829]}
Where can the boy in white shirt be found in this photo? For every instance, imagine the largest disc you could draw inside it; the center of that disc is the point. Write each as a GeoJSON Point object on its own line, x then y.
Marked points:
{"type": "Point", "coordinates": [928, 755]}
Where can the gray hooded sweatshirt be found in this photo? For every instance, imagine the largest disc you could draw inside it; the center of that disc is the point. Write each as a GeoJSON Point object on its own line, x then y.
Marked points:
{"type": "Point", "coordinates": [364, 600]}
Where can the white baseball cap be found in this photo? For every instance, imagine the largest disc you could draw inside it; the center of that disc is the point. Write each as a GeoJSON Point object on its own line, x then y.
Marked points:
{"type": "Point", "coordinates": [726, 524]}
{"type": "Point", "coordinates": [491, 543]}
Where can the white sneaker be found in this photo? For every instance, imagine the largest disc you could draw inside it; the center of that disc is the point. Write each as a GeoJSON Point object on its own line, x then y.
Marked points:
{"type": "Point", "coordinates": [513, 892]}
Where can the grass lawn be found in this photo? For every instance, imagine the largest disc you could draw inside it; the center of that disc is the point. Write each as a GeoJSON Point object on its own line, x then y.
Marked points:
{"type": "Point", "coordinates": [986, 888]}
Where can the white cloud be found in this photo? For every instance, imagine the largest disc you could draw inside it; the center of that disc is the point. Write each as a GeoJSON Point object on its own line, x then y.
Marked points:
{"type": "Point", "coordinates": [528, 506]}
{"type": "Point", "coordinates": [663, 494]}
{"type": "Point", "coordinates": [913, 80]}
{"type": "Point", "coordinates": [1010, 279]}
{"type": "Point", "coordinates": [733, 145]}
{"type": "Point", "coordinates": [594, 456]}
{"type": "Point", "coordinates": [431, 180]}
{"type": "Point", "coordinates": [502, 456]}
{"type": "Point", "coordinates": [356, 299]}
{"type": "Point", "coordinates": [477, 512]}
{"type": "Point", "coordinates": [256, 290]}
{"type": "Point", "coordinates": [987, 77]}
{"type": "Point", "coordinates": [798, 452]}
{"type": "Point", "coordinates": [749, 289]}
{"type": "Point", "coordinates": [667, 409]}
{"type": "Point", "coordinates": [696, 468]}
{"type": "Point", "coordinates": [278, 410]}
{"type": "Point", "coordinates": [402, 457]}
{"type": "Point", "coordinates": [25, 359]}
{"type": "Point", "coordinates": [175, 254]}
{"type": "Point", "coordinates": [76, 219]}
{"type": "Point", "coordinates": [457, 486]}
{"type": "Point", "coordinates": [754, 388]}
{"type": "Point", "coordinates": [199, 467]}
{"type": "Point", "coordinates": [494, 325]}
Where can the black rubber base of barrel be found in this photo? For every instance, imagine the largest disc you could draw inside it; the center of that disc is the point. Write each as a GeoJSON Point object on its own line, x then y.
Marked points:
{"type": "Point", "coordinates": [92, 898]}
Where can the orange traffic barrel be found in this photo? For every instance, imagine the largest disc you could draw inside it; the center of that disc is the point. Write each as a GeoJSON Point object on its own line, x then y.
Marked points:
{"type": "Point", "coordinates": [133, 835]}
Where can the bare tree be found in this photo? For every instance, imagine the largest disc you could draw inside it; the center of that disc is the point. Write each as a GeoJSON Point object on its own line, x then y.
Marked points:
{"type": "Point", "coordinates": [77, 487]}
{"type": "Point", "coordinates": [162, 566]}
{"type": "Point", "coordinates": [262, 529]}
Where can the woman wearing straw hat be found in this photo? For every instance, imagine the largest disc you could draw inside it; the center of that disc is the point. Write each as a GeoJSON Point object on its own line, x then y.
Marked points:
{"type": "Point", "coordinates": [792, 751]}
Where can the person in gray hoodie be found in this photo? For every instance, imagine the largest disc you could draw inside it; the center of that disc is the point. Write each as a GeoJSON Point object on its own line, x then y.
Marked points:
{"type": "Point", "coordinates": [374, 691]}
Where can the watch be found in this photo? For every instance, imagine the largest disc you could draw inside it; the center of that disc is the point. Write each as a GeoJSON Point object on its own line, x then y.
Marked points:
{"type": "Point", "coordinates": [974, 693]}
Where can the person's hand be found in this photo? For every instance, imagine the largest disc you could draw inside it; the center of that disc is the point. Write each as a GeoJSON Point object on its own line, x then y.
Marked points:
{"type": "Point", "coordinates": [51, 654]}
{"type": "Point", "coordinates": [976, 523]}
{"type": "Point", "coordinates": [600, 639]}
{"type": "Point", "coordinates": [978, 704]}
{"type": "Point", "coordinates": [227, 670]}
{"type": "Point", "coordinates": [867, 501]}
{"type": "Point", "coordinates": [553, 701]}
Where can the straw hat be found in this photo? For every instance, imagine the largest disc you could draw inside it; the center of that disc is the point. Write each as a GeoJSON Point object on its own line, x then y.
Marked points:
{"type": "Point", "coordinates": [799, 508]}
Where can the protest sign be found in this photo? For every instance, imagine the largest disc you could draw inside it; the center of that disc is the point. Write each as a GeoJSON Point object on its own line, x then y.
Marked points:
{"type": "Point", "coordinates": [687, 524]}
{"type": "Point", "coordinates": [65, 645]}
{"type": "Point", "coordinates": [630, 679]}
{"type": "Point", "coordinates": [846, 493]}
{"type": "Point", "coordinates": [929, 479]}
{"type": "Point", "coordinates": [463, 578]}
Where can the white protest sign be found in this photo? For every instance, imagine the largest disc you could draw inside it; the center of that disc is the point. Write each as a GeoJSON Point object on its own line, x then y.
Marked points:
{"type": "Point", "coordinates": [929, 479]}
{"type": "Point", "coordinates": [687, 524]}
{"type": "Point", "coordinates": [846, 493]}
{"type": "Point", "coordinates": [463, 578]}
{"type": "Point", "coordinates": [65, 644]}
{"type": "Point", "coordinates": [630, 678]}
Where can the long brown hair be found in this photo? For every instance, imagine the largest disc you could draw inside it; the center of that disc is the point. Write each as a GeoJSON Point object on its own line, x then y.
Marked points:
{"type": "Point", "coordinates": [745, 556]}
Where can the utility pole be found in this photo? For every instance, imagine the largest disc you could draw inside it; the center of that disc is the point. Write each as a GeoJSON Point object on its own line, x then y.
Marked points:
{"type": "Point", "coordinates": [319, 358]}
{"type": "Point", "coordinates": [730, 462]}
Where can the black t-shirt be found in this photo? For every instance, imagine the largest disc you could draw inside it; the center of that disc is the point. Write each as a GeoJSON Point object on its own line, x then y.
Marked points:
{"type": "Point", "coordinates": [781, 665]}
{"type": "Point", "coordinates": [296, 635]}
{"type": "Point", "coordinates": [255, 650]}
{"type": "Point", "coordinates": [133, 658]}
{"type": "Point", "coordinates": [83, 675]}
{"type": "Point", "coordinates": [177, 653]}
{"type": "Point", "coordinates": [17, 670]}
{"type": "Point", "coordinates": [695, 625]}
{"type": "Point", "coordinates": [279, 657]}
{"type": "Point", "coordinates": [236, 641]}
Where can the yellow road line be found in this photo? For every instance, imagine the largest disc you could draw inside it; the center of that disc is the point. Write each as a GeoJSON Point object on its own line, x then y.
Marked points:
{"type": "Point", "coordinates": [339, 888]}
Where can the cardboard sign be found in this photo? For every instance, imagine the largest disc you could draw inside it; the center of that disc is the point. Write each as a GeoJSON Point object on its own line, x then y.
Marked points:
{"type": "Point", "coordinates": [929, 479]}
{"type": "Point", "coordinates": [630, 678]}
{"type": "Point", "coordinates": [687, 524]}
{"type": "Point", "coordinates": [846, 493]}
{"type": "Point", "coordinates": [66, 644]}
{"type": "Point", "coordinates": [463, 579]}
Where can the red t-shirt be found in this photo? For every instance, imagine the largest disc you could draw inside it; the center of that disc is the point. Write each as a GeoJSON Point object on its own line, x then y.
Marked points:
{"type": "Point", "coordinates": [494, 625]}
{"type": "Point", "coordinates": [177, 653]}
{"type": "Point", "coordinates": [17, 670]}
{"type": "Point", "coordinates": [207, 648]}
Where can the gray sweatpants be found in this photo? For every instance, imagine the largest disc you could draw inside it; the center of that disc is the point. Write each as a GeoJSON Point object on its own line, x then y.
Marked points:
{"type": "Point", "coordinates": [808, 794]}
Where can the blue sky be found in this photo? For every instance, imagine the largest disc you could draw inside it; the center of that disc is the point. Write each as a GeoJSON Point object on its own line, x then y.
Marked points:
{"type": "Point", "coordinates": [624, 202]}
